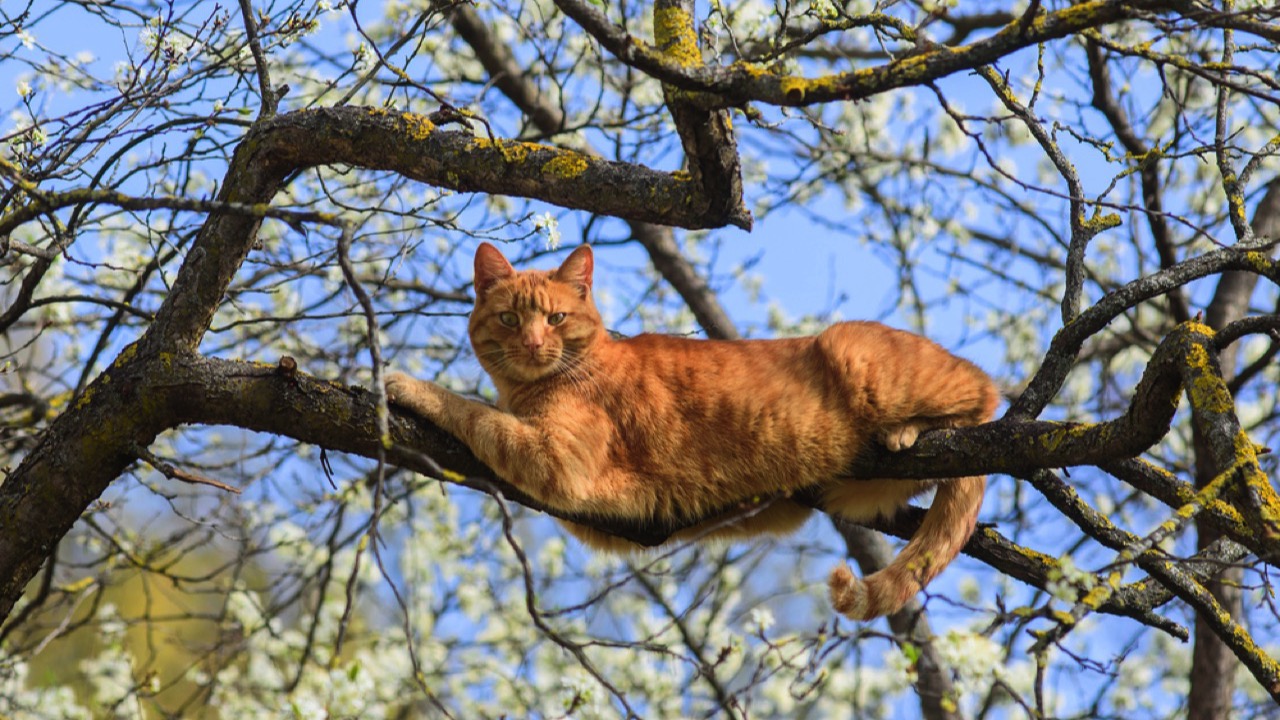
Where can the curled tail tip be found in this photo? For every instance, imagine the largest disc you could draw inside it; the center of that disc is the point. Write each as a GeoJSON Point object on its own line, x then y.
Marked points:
{"type": "Point", "coordinates": [859, 599]}
{"type": "Point", "coordinates": [849, 595]}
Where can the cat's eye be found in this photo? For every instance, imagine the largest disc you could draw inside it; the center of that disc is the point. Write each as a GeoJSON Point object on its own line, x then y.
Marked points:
{"type": "Point", "coordinates": [509, 319]}
{"type": "Point", "coordinates": [555, 318]}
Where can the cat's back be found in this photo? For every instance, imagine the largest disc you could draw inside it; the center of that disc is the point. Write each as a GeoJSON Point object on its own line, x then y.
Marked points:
{"type": "Point", "coordinates": [734, 413]}
{"type": "Point", "coordinates": [720, 366]}
{"type": "Point", "coordinates": [689, 387]}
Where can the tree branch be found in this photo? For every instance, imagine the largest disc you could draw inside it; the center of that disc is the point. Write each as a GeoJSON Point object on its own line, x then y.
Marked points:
{"type": "Point", "coordinates": [710, 148]}
{"type": "Point", "coordinates": [741, 82]}
{"type": "Point", "coordinates": [1066, 344]}
{"type": "Point", "coordinates": [140, 396]}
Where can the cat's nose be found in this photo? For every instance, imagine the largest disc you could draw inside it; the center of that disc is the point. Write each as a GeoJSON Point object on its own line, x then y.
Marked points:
{"type": "Point", "coordinates": [533, 343]}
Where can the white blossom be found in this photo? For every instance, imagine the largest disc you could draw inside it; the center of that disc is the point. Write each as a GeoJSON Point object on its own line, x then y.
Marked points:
{"type": "Point", "coordinates": [548, 224]}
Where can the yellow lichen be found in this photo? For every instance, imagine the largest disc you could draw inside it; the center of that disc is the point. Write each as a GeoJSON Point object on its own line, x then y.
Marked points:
{"type": "Point", "coordinates": [793, 88]}
{"type": "Point", "coordinates": [87, 396]}
{"type": "Point", "coordinates": [1063, 617]}
{"type": "Point", "coordinates": [512, 151]}
{"type": "Point", "coordinates": [1099, 222]}
{"type": "Point", "coordinates": [752, 69]}
{"type": "Point", "coordinates": [567, 165]}
{"type": "Point", "coordinates": [420, 127]}
{"type": "Point", "coordinates": [1053, 439]}
{"type": "Point", "coordinates": [1207, 392]}
{"type": "Point", "coordinates": [130, 351]}
{"type": "Point", "coordinates": [1259, 262]}
{"type": "Point", "coordinates": [1094, 599]}
{"type": "Point", "coordinates": [1045, 561]}
{"type": "Point", "coordinates": [673, 31]}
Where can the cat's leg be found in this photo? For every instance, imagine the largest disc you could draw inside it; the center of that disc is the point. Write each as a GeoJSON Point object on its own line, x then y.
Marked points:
{"type": "Point", "coordinates": [420, 396]}
{"type": "Point", "coordinates": [553, 466]}
{"type": "Point", "coordinates": [902, 384]}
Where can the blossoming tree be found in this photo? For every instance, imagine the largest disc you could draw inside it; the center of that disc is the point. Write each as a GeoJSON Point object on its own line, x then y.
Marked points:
{"type": "Point", "coordinates": [219, 225]}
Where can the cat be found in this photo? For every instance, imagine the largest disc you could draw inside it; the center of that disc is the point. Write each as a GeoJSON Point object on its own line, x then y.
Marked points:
{"type": "Point", "coordinates": [674, 429]}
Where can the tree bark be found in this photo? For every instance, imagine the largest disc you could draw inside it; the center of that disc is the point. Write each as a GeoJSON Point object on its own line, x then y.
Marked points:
{"type": "Point", "coordinates": [1213, 665]}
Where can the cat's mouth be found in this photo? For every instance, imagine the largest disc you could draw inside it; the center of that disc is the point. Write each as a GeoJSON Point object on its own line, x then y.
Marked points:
{"type": "Point", "coordinates": [539, 363]}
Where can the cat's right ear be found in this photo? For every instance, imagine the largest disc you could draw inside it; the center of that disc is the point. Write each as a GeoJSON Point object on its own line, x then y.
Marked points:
{"type": "Point", "coordinates": [491, 267]}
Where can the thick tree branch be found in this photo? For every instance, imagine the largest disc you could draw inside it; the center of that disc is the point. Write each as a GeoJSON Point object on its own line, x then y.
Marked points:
{"type": "Point", "coordinates": [710, 148]}
{"type": "Point", "coordinates": [741, 82]}
{"type": "Point", "coordinates": [140, 396]}
{"type": "Point", "coordinates": [1137, 601]}
{"type": "Point", "coordinates": [414, 147]}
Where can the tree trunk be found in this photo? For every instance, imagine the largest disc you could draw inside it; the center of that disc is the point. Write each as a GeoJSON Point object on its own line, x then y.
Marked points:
{"type": "Point", "coordinates": [1213, 665]}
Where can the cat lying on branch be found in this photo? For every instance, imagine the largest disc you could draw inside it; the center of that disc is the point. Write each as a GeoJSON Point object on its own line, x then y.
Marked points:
{"type": "Point", "coordinates": [656, 427]}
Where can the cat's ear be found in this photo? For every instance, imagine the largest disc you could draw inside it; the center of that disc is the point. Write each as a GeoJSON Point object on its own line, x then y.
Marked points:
{"type": "Point", "coordinates": [577, 269]}
{"type": "Point", "coordinates": [491, 267]}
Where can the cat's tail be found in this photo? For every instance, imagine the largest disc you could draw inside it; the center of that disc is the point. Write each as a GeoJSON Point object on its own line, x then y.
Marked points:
{"type": "Point", "coordinates": [946, 528]}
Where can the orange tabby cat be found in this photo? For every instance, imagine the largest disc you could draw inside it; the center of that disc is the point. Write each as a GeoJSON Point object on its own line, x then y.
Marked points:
{"type": "Point", "coordinates": [667, 428]}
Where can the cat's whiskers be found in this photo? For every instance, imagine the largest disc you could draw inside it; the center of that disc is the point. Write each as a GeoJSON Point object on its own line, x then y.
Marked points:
{"type": "Point", "coordinates": [577, 370]}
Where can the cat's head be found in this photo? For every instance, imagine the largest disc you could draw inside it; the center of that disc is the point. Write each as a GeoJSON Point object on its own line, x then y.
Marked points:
{"type": "Point", "coordinates": [530, 324]}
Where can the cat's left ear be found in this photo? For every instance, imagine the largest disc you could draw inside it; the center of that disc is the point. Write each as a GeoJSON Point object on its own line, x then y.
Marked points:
{"type": "Point", "coordinates": [577, 269]}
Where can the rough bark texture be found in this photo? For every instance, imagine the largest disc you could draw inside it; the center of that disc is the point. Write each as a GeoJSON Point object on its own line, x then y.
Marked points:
{"type": "Point", "coordinates": [1213, 664]}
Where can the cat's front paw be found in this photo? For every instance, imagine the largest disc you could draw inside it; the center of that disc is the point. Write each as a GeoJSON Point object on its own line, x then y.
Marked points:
{"type": "Point", "coordinates": [423, 398]}
{"type": "Point", "coordinates": [398, 386]}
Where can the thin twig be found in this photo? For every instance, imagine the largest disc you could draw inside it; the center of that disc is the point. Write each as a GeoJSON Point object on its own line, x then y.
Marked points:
{"type": "Point", "coordinates": [270, 99]}
{"type": "Point", "coordinates": [174, 473]}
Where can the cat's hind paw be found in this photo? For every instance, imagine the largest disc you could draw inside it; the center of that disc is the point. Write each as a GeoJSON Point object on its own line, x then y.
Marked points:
{"type": "Point", "coordinates": [900, 437]}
